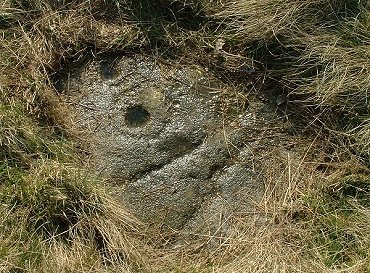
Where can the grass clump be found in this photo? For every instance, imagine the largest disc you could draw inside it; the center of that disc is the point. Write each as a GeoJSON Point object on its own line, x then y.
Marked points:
{"type": "Point", "coordinates": [57, 206]}
{"type": "Point", "coordinates": [316, 52]}
{"type": "Point", "coordinates": [338, 221]}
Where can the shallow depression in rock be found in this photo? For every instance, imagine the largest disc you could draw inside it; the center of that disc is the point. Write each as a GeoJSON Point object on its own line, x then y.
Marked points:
{"type": "Point", "coordinates": [137, 116]}
{"type": "Point", "coordinates": [108, 70]}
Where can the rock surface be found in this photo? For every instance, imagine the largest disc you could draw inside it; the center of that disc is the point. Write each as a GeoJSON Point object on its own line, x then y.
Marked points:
{"type": "Point", "coordinates": [172, 139]}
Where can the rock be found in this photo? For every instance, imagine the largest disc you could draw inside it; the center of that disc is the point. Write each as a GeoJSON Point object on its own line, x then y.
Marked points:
{"type": "Point", "coordinates": [168, 138]}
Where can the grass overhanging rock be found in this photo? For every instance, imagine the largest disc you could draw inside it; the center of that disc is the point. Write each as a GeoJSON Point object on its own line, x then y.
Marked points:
{"type": "Point", "coordinates": [55, 216]}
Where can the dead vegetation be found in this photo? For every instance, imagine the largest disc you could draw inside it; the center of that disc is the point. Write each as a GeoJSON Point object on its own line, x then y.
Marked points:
{"type": "Point", "coordinates": [315, 215]}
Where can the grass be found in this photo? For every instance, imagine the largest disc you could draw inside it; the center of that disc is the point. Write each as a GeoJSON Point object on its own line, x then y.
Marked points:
{"type": "Point", "coordinates": [55, 217]}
